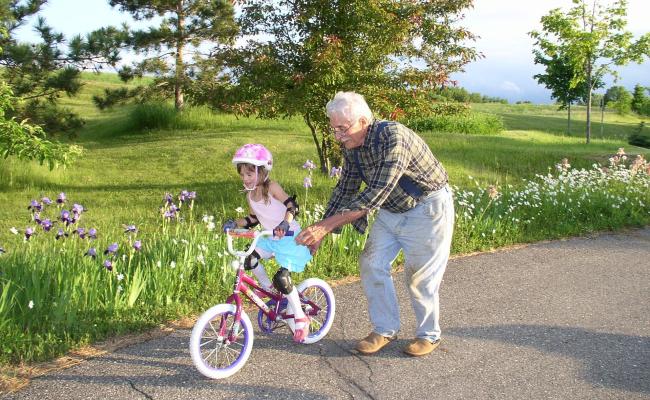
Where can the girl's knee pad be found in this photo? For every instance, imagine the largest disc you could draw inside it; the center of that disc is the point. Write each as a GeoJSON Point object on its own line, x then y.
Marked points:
{"type": "Point", "coordinates": [252, 261]}
{"type": "Point", "coordinates": [282, 281]}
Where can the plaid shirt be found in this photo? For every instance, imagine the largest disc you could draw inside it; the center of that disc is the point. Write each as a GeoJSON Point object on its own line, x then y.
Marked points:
{"type": "Point", "coordinates": [388, 152]}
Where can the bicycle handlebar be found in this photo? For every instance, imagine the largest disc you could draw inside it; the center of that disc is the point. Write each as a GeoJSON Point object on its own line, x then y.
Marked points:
{"type": "Point", "coordinates": [245, 233]}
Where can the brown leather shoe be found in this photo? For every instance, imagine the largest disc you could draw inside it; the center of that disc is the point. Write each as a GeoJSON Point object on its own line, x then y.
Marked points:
{"type": "Point", "coordinates": [420, 347]}
{"type": "Point", "coordinates": [373, 343]}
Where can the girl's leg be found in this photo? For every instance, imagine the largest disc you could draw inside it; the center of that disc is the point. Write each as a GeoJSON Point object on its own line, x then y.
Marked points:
{"type": "Point", "coordinates": [301, 322]}
{"type": "Point", "coordinates": [258, 269]}
{"type": "Point", "coordinates": [262, 276]}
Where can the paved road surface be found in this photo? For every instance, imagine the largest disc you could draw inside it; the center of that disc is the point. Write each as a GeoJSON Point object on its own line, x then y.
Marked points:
{"type": "Point", "coordinates": [560, 320]}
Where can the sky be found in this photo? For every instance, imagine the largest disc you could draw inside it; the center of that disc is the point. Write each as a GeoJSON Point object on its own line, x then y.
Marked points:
{"type": "Point", "coordinates": [506, 70]}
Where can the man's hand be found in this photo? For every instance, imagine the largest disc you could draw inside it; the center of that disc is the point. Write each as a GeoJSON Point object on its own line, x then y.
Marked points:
{"type": "Point", "coordinates": [312, 235]}
{"type": "Point", "coordinates": [281, 229]}
{"type": "Point", "coordinates": [314, 248]}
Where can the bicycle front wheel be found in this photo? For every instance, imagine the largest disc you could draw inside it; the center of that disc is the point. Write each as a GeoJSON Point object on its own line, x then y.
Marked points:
{"type": "Point", "coordinates": [213, 353]}
{"type": "Point", "coordinates": [317, 299]}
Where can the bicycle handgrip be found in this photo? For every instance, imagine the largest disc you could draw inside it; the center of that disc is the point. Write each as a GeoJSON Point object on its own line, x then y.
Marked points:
{"type": "Point", "coordinates": [245, 233]}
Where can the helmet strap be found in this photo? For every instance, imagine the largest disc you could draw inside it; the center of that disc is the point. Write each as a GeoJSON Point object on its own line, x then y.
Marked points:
{"type": "Point", "coordinates": [255, 184]}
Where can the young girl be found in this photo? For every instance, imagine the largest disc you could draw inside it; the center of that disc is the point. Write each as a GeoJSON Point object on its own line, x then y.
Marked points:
{"type": "Point", "coordinates": [275, 210]}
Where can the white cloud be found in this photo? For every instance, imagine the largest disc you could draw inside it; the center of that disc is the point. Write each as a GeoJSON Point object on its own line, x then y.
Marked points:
{"type": "Point", "coordinates": [510, 87]}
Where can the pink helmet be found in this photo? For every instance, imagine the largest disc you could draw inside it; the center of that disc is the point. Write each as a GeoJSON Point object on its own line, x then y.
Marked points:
{"type": "Point", "coordinates": [255, 154]}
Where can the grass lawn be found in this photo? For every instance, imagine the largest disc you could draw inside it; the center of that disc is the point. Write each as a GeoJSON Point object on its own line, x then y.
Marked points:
{"type": "Point", "coordinates": [547, 118]}
{"type": "Point", "coordinates": [124, 173]}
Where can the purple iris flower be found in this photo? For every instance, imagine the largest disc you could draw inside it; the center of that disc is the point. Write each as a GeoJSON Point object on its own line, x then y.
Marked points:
{"type": "Point", "coordinates": [92, 252]}
{"type": "Point", "coordinates": [67, 218]}
{"type": "Point", "coordinates": [60, 234]}
{"type": "Point", "coordinates": [81, 232]}
{"type": "Point", "coordinates": [168, 198]}
{"type": "Point", "coordinates": [37, 218]}
{"type": "Point", "coordinates": [65, 215]}
{"type": "Point", "coordinates": [61, 198]}
{"type": "Point", "coordinates": [92, 233]}
{"type": "Point", "coordinates": [137, 245]}
{"type": "Point", "coordinates": [130, 229]}
{"type": "Point", "coordinates": [46, 224]}
{"type": "Point", "coordinates": [29, 231]}
{"type": "Point", "coordinates": [335, 172]}
{"type": "Point", "coordinates": [77, 209]}
{"type": "Point", "coordinates": [108, 265]}
{"type": "Point", "coordinates": [306, 182]}
{"type": "Point", "coordinates": [183, 196]}
{"type": "Point", "coordinates": [35, 206]}
{"type": "Point", "coordinates": [309, 164]}
{"type": "Point", "coordinates": [111, 249]}
{"type": "Point", "coordinates": [191, 195]}
{"type": "Point", "coordinates": [46, 201]}
{"type": "Point", "coordinates": [171, 211]}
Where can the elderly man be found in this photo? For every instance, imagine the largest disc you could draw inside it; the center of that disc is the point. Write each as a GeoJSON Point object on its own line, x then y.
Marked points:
{"type": "Point", "coordinates": [408, 185]}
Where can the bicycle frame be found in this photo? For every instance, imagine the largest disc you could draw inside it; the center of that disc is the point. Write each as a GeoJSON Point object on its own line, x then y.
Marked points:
{"type": "Point", "coordinates": [244, 283]}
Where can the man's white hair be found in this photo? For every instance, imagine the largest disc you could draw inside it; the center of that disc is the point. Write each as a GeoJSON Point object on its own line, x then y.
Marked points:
{"type": "Point", "coordinates": [350, 105]}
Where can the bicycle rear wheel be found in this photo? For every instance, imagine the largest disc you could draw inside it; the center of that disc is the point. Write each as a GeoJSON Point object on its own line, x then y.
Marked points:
{"type": "Point", "coordinates": [317, 299]}
{"type": "Point", "coordinates": [212, 353]}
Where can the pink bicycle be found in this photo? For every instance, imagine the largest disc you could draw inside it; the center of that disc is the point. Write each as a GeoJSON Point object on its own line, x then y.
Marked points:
{"type": "Point", "coordinates": [222, 338]}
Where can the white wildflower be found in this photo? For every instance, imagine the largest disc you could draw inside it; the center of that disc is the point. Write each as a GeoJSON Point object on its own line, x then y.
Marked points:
{"type": "Point", "coordinates": [31, 304]}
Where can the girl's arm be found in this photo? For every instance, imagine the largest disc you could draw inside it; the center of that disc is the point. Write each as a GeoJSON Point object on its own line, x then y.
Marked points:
{"type": "Point", "coordinates": [248, 221]}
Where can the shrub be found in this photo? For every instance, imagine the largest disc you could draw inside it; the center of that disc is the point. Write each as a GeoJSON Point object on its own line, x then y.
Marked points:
{"type": "Point", "coordinates": [640, 137]}
{"type": "Point", "coordinates": [469, 123]}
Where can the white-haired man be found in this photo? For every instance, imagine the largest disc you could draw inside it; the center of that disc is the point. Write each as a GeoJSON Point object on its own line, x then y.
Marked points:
{"type": "Point", "coordinates": [408, 187]}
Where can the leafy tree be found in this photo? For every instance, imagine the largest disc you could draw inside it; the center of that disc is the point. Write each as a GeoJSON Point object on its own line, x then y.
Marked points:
{"type": "Point", "coordinates": [593, 40]}
{"type": "Point", "coordinates": [299, 53]}
{"type": "Point", "coordinates": [638, 98]}
{"type": "Point", "coordinates": [25, 141]}
{"type": "Point", "coordinates": [186, 25]}
{"type": "Point", "coordinates": [623, 104]}
{"type": "Point", "coordinates": [559, 72]}
{"type": "Point", "coordinates": [614, 93]}
{"type": "Point", "coordinates": [40, 73]}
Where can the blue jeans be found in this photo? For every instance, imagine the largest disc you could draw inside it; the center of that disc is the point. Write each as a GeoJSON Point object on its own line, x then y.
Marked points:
{"type": "Point", "coordinates": [424, 234]}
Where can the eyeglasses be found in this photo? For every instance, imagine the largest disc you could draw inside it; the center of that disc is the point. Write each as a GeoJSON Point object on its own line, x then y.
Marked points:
{"type": "Point", "coordinates": [339, 130]}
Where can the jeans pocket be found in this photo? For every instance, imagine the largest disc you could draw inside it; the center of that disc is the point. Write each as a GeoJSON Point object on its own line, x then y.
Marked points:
{"type": "Point", "coordinates": [433, 208]}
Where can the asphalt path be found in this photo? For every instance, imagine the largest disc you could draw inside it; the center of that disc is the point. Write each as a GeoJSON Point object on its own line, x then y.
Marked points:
{"type": "Point", "coordinates": [557, 320]}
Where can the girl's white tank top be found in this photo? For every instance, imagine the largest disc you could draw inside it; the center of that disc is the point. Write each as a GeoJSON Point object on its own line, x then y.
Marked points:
{"type": "Point", "coordinates": [270, 214]}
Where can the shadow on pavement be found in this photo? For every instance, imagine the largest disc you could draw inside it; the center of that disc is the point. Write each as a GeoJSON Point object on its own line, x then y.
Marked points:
{"type": "Point", "coordinates": [611, 360]}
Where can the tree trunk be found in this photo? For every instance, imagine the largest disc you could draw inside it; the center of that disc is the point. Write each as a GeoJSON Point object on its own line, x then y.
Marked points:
{"type": "Point", "coordinates": [602, 116]}
{"type": "Point", "coordinates": [569, 121]}
{"type": "Point", "coordinates": [589, 89]}
{"type": "Point", "coordinates": [321, 153]}
{"type": "Point", "coordinates": [180, 70]}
